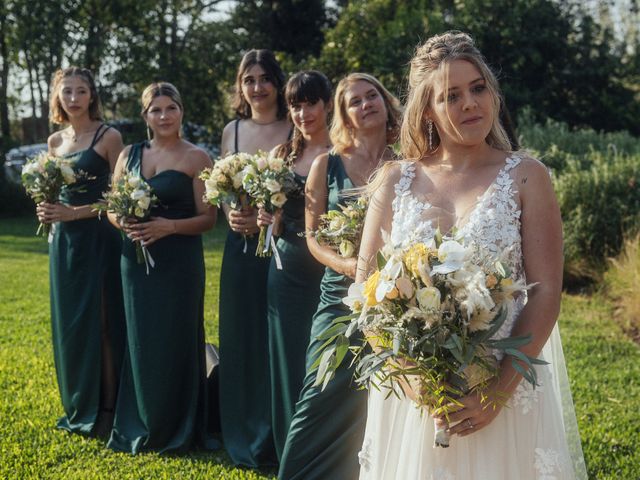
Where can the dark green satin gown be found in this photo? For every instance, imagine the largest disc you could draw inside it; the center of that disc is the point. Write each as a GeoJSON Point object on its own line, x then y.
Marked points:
{"type": "Point", "coordinates": [327, 430]}
{"type": "Point", "coordinates": [245, 394]}
{"type": "Point", "coordinates": [293, 294]}
{"type": "Point", "coordinates": [162, 399]}
{"type": "Point", "coordinates": [85, 290]}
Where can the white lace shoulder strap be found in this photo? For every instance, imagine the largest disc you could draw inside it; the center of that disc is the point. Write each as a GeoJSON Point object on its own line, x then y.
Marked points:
{"type": "Point", "coordinates": [407, 174]}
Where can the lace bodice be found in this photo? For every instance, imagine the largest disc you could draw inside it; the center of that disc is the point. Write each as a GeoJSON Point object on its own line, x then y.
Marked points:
{"type": "Point", "coordinates": [493, 226]}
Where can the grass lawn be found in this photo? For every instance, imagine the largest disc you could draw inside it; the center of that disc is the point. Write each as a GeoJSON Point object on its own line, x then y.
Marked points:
{"type": "Point", "coordinates": [604, 367]}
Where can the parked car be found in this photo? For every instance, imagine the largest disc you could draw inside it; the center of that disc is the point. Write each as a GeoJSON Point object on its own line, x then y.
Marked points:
{"type": "Point", "coordinates": [16, 158]}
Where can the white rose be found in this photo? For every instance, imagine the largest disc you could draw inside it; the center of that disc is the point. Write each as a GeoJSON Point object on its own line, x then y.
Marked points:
{"type": "Point", "coordinates": [278, 199]}
{"type": "Point", "coordinates": [428, 298]}
{"type": "Point", "coordinates": [347, 249]}
{"type": "Point", "coordinates": [336, 223]}
{"type": "Point", "coordinates": [138, 194]}
{"type": "Point", "coordinates": [273, 185]}
{"type": "Point", "coordinates": [67, 173]}
{"type": "Point", "coordinates": [261, 163]}
{"type": "Point", "coordinates": [134, 181]}
{"type": "Point", "coordinates": [144, 203]}
{"type": "Point", "coordinates": [276, 163]}
{"type": "Point", "coordinates": [237, 179]}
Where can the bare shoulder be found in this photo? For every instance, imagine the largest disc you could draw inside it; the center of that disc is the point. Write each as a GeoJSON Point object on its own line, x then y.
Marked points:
{"type": "Point", "coordinates": [125, 152]}
{"type": "Point", "coordinates": [112, 137]}
{"type": "Point", "coordinates": [228, 135]}
{"type": "Point", "coordinates": [531, 171]}
{"type": "Point", "coordinates": [54, 141]}
{"type": "Point", "coordinates": [196, 159]}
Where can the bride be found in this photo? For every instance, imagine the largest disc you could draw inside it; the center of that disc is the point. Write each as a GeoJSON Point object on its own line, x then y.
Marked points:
{"type": "Point", "coordinates": [460, 173]}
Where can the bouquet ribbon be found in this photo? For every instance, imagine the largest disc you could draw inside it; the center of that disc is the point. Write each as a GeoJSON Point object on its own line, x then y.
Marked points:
{"type": "Point", "coordinates": [267, 242]}
{"type": "Point", "coordinates": [148, 259]}
{"type": "Point", "coordinates": [276, 255]}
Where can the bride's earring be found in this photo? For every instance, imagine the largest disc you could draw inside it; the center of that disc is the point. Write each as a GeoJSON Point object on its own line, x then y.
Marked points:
{"type": "Point", "coordinates": [430, 131]}
{"type": "Point", "coordinates": [148, 133]}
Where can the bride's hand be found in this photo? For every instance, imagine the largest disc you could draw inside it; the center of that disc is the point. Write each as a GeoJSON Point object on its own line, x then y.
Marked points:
{"type": "Point", "coordinates": [473, 416]}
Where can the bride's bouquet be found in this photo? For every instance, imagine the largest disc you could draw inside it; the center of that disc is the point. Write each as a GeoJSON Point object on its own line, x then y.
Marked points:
{"type": "Point", "coordinates": [131, 198]}
{"type": "Point", "coordinates": [268, 180]}
{"type": "Point", "coordinates": [43, 177]}
{"type": "Point", "coordinates": [342, 229]}
{"type": "Point", "coordinates": [431, 310]}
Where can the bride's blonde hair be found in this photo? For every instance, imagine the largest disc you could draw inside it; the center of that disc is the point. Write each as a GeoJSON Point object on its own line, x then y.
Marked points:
{"type": "Point", "coordinates": [431, 59]}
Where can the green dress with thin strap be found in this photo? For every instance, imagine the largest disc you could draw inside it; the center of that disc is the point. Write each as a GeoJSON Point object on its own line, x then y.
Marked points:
{"type": "Point", "coordinates": [245, 406]}
{"type": "Point", "coordinates": [293, 293]}
{"type": "Point", "coordinates": [327, 430]}
{"type": "Point", "coordinates": [162, 399]}
{"type": "Point", "coordinates": [85, 291]}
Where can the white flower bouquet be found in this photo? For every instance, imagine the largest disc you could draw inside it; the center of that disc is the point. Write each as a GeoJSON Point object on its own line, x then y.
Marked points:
{"type": "Point", "coordinates": [268, 180]}
{"type": "Point", "coordinates": [432, 311]}
{"type": "Point", "coordinates": [43, 177]}
{"type": "Point", "coordinates": [223, 182]}
{"type": "Point", "coordinates": [130, 198]}
{"type": "Point", "coordinates": [342, 229]}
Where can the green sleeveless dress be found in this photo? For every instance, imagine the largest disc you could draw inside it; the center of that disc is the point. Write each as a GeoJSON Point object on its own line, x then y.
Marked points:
{"type": "Point", "coordinates": [85, 290]}
{"type": "Point", "coordinates": [162, 398]}
{"type": "Point", "coordinates": [327, 430]}
{"type": "Point", "coordinates": [293, 294]}
{"type": "Point", "coordinates": [245, 388]}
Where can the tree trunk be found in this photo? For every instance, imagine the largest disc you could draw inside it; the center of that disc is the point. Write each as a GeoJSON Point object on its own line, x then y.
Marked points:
{"type": "Point", "coordinates": [4, 78]}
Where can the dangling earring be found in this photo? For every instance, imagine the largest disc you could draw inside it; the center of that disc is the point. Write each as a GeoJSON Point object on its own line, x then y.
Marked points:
{"type": "Point", "coordinates": [430, 130]}
{"type": "Point", "coordinates": [148, 133]}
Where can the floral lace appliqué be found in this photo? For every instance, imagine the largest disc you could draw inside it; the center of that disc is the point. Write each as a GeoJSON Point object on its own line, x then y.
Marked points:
{"type": "Point", "coordinates": [442, 473]}
{"type": "Point", "coordinates": [408, 225]}
{"type": "Point", "coordinates": [547, 464]}
{"type": "Point", "coordinates": [364, 455]}
{"type": "Point", "coordinates": [526, 396]}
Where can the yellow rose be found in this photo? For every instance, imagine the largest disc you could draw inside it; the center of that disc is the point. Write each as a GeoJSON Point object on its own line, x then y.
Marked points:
{"type": "Point", "coordinates": [370, 288]}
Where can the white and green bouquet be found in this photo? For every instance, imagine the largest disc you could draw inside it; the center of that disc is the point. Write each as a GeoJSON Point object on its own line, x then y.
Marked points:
{"type": "Point", "coordinates": [268, 180]}
{"type": "Point", "coordinates": [43, 177]}
{"type": "Point", "coordinates": [223, 182]}
{"type": "Point", "coordinates": [130, 198]}
{"type": "Point", "coordinates": [432, 311]}
{"type": "Point", "coordinates": [342, 229]}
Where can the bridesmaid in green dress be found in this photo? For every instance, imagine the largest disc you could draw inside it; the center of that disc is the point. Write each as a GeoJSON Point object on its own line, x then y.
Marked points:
{"type": "Point", "coordinates": [294, 286]}
{"type": "Point", "coordinates": [162, 400]}
{"type": "Point", "coordinates": [87, 316]}
{"type": "Point", "coordinates": [327, 429]}
{"type": "Point", "coordinates": [245, 407]}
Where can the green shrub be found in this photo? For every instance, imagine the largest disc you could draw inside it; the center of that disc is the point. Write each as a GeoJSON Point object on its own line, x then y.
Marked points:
{"type": "Point", "coordinates": [558, 145]}
{"type": "Point", "coordinates": [600, 206]}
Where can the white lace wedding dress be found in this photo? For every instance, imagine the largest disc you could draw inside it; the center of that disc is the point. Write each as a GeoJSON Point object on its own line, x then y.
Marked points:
{"type": "Point", "coordinates": [535, 436]}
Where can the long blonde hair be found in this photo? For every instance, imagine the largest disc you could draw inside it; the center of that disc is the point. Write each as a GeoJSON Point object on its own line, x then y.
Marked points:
{"type": "Point", "coordinates": [433, 58]}
{"type": "Point", "coordinates": [339, 132]}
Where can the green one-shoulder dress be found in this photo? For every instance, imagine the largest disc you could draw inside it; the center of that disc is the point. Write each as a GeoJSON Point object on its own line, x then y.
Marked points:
{"type": "Point", "coordinates": [293, 294]}
{"type": "Point", "coordinates": [245, 393]}
{"type": "Point", "coordinates": [327, 430]}
{"type": "Point", "coordinates": [84, 271]}
{"type": "Point", "coordinates": [162, 399]}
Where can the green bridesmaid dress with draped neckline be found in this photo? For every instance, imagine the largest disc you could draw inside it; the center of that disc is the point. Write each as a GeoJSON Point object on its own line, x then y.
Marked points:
{"type": "Point", "coordinates": [293, 294]}
{"type": "Point", "coordinates": [245, 388]}
{"type": "Point", "coordinates": [327, 429]}
{"type": "Point", "coordinates": [85, 291]}
{"type": "Point", "coordinates": [162, 399]}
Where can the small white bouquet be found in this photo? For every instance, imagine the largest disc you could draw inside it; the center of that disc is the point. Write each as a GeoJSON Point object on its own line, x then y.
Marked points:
{"type": "Point", "coordinates": [432, 310]}
{"type": "Point", "coordinates": [223, 182]}
{"type": "Point", "coordinates": [268, 180]}
{"type": "Point", "coordinates": [43, 177]}
{"type": "Point", "coordinates": [130, 198]}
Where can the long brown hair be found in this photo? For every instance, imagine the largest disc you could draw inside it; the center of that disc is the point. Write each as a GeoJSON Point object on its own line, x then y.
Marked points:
{"type": "Point", "coordinates": [58, 114]}
{"type": "Point", "coordinates": [267, 60]}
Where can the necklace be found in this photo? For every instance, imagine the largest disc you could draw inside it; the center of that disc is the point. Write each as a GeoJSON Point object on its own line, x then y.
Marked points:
{"type": "Point", "coordinates": [75, 135]}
